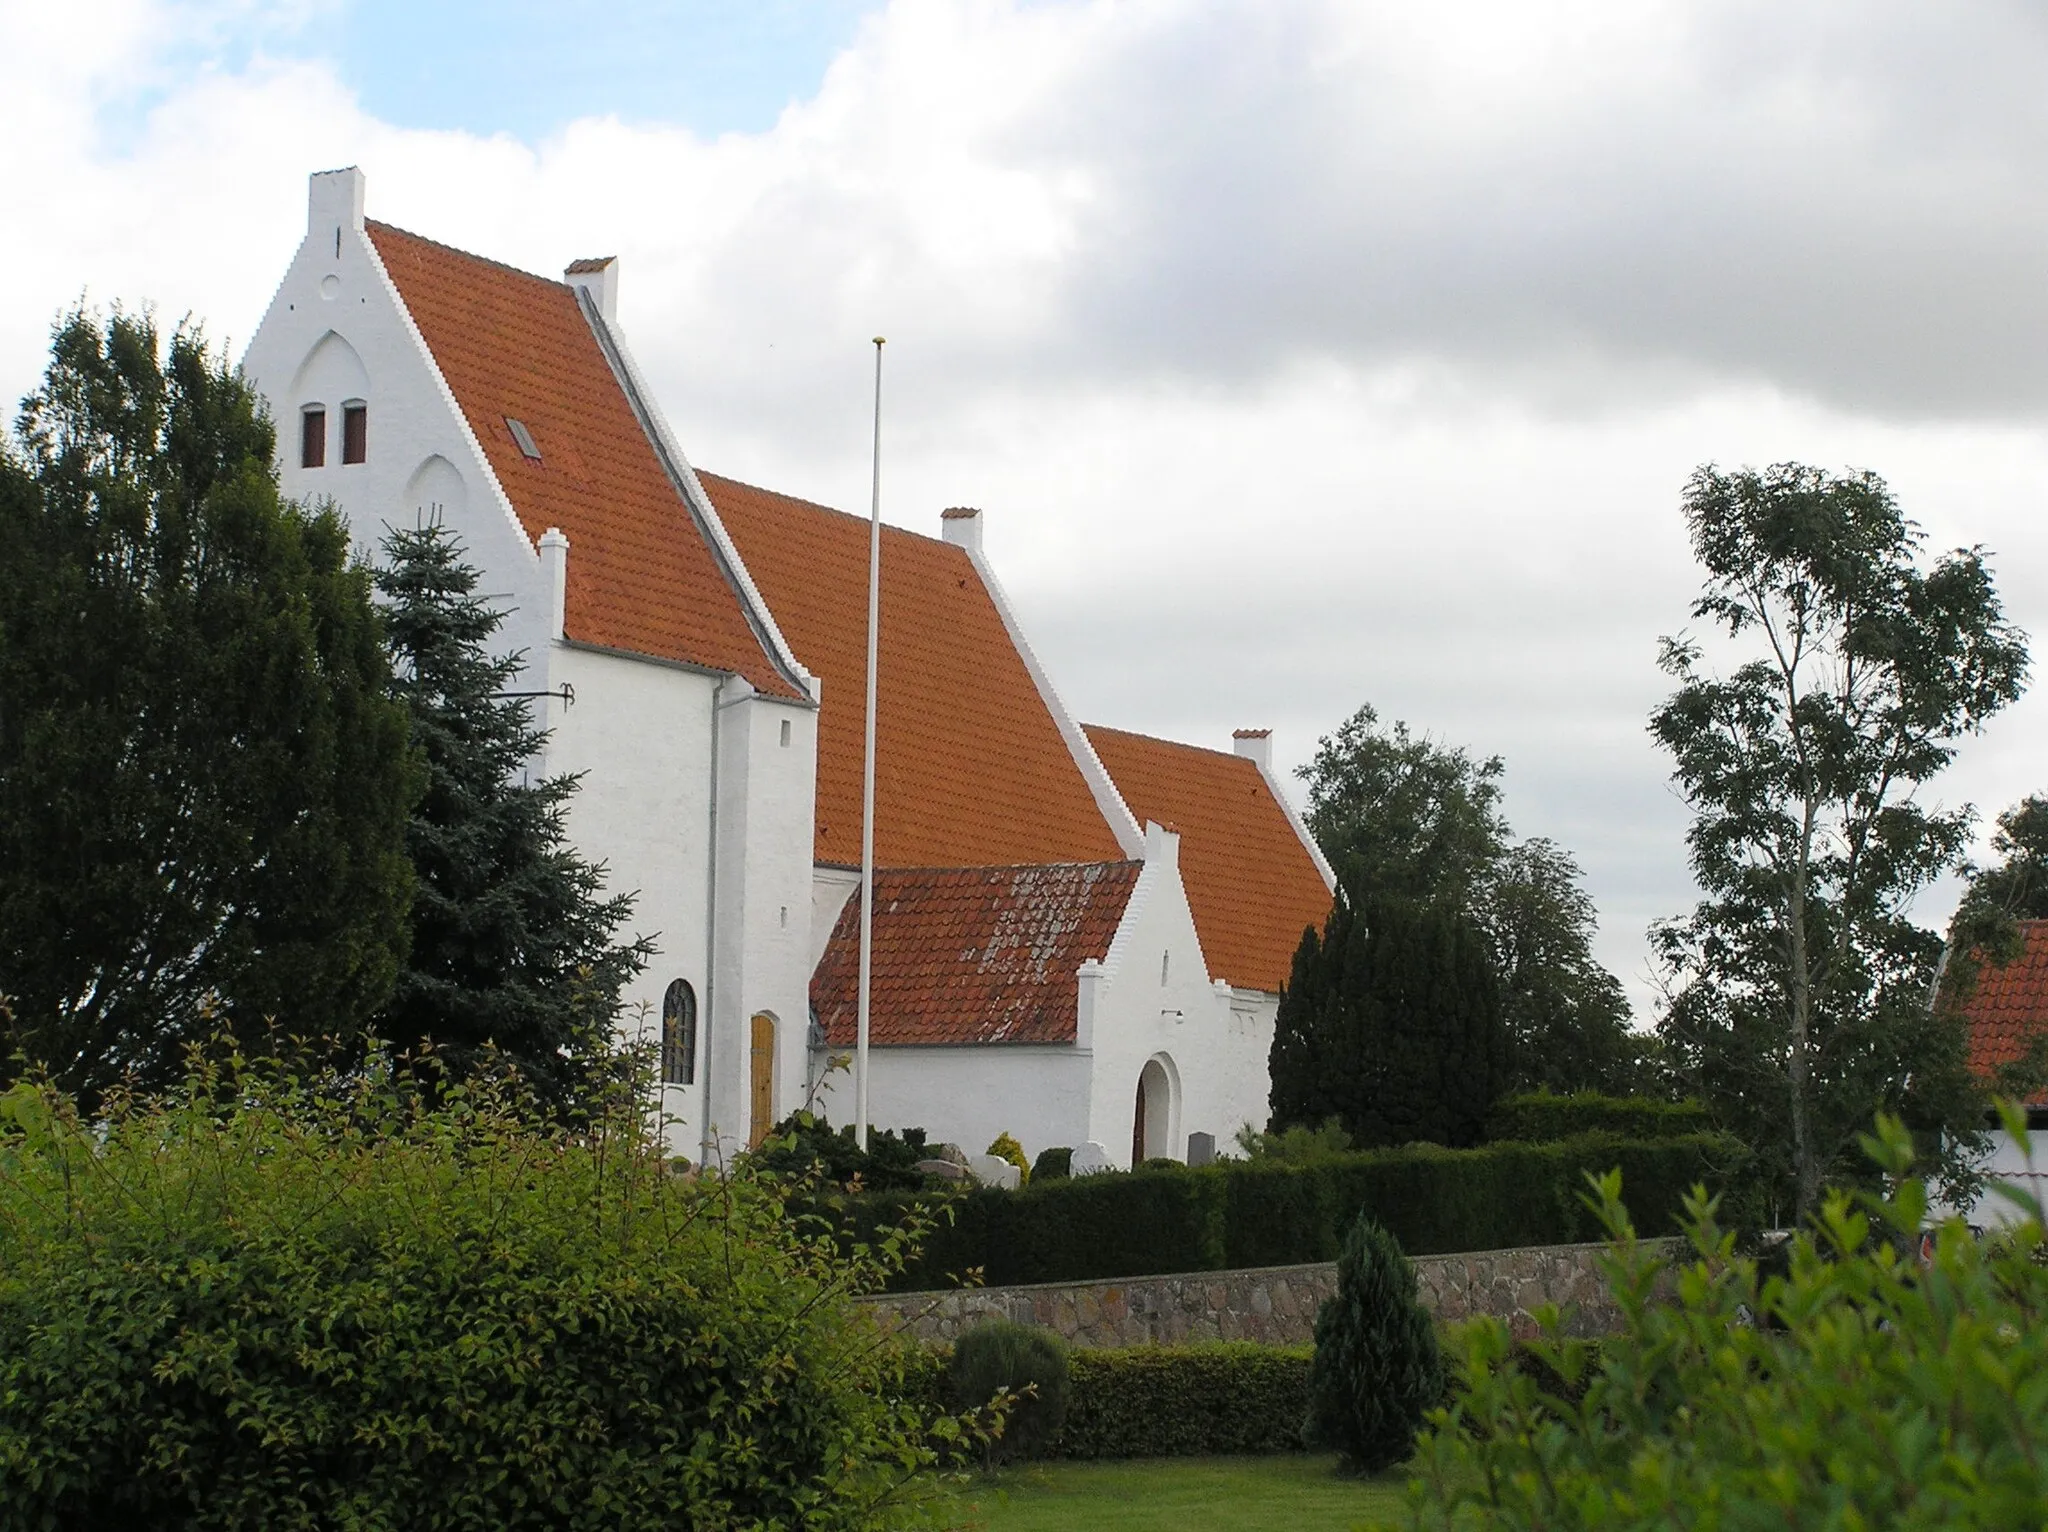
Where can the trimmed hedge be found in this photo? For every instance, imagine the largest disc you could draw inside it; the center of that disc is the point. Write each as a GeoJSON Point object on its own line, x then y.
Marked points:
{"type": "Point", "coordinates": [1247, 1213]}
{"type": "Point", "coordinates": [1539, 1117]}
{"type": "Point", "coordinates": [1185, 1401]}
{"type": "Point", "coordinates": [1221, 1397]}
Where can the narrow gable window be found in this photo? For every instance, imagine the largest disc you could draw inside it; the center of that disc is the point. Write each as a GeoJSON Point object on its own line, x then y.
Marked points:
{"type": "Point", "coordinates": [679, 1034]}
{"type": "Point", "coordinates": [522, 439]}
{"type": "Point", "coordinates": [355, 432]}
{"type": "Point", "coordinates": [313, 439]}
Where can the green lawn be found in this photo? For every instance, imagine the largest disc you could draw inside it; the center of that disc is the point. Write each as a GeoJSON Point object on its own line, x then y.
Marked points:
{"type": "Point", "coordinates": [1264, 1494]}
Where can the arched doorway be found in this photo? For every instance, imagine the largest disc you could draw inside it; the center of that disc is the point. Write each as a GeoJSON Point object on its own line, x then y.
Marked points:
{"type": "Point", "coordinates": [1152, 1112]}
{"type": "Point", "coordinates": [761, 1079]}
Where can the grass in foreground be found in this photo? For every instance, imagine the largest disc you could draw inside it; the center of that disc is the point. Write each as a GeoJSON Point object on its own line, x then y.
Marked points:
{"type": "Point", "coordinates": [1263, 1494]}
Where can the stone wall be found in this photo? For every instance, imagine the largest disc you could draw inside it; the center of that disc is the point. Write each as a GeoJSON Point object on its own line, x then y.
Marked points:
{"type": "Point", "coordinates": [1274, 1304]}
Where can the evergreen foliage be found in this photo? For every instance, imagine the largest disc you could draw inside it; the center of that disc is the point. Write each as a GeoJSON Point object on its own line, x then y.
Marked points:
{"type": "Point", "coordinates": [1004, 1147]}
{"type": "Point", "coordinates": [1542, 1117]}
{"type": "Point", "coordinates": [1237, 1213]}
{"type": "Point", "coordinates": [1862, 1387]}
{"type": "Point", "coordinates": [1053, 1164]}
{"type": "Point", "coordinates": [515, 956]}
{"type": "Point", "coordinates": [804, 1146]}
{"type": "Point", "coordinates": [1799, 984]}
{"type": "Point", "coordinates": [204, 778]}
{"type": "Point", "coordinates": [1403, 816]}
{"type": "Point", "coordinates": [1377, 1368]}
{"type": "Point", "coordinates": [999, 1357]}
{"type": "Point", "coordinates": [1391, 1024]}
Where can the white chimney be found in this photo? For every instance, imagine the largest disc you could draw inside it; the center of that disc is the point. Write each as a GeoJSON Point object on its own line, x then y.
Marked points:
{"type": "Point", "coordinates": [960, 525]}
{"type": "Point", "coordinates": [554, 574]}
{"type": "Point", "coordinates": [1089, 985]}
{"type": "Point", "coordinates": [334, 202]}
{"type": "Point", "coordinates": [1162, 843]}
{"type": "Point", "coordinates": [1255, 745]}
{"type": "Point", "coordinates": [600, 278]}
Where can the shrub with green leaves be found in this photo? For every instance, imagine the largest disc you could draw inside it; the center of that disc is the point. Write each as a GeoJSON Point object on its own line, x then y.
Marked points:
{"type": "Point", "coordinates": [1001, 1359]}
{"type": "Point", "coordinates": [1377, 1368]}
{"type": "Point", "coordinates": [364, 1304]}
{"type": "Point", "coordinates": [1204, 1400]}
{"type": "Point", "coordinates": [1541, 1117]}
{"type": "Point", "coordinates": [1865, 1387]}
{"type": "Point", "coordinates": [1054, 1164]}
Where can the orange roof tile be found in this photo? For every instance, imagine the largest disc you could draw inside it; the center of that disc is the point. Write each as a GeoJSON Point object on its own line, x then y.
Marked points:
{"type": "Point", "coordinates": [1251, 883]}
{"type": "Point", "coordinates": [642, 575]}
{"type": "Point", "coordinates": [972, 954]}
{"type": "Point", "coordinates": [2009, 1007]}
{"type": "Point", "coordinates": [973, 770]}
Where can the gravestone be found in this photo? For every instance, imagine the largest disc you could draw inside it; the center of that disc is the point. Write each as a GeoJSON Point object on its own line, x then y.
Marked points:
{"type": "Point", "coordinates": [994, 1170]}
{"type": "Point", "coordinates": [1201, 1149]}
{"type": "Point", "coordinates": [1090, 1158]}
{"type": "Point", "coordinates": [945, 1170]}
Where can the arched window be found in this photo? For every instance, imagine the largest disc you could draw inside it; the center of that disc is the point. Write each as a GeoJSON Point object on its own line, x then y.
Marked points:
{"type": "Point", "coordinates": [679, 1034]}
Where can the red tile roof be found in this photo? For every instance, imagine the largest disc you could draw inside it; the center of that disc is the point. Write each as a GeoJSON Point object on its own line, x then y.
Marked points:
{"type": "Point", "coordinates": [973, 770]}
{"type": "Point", "coordinates": [1251, 883]}
{"type": "Point", "coordinates": [642, 575]}
{"type": "Point", "coordinates": [2009, 1007]}
{"type": "Point", "coordinates": [972, 954]}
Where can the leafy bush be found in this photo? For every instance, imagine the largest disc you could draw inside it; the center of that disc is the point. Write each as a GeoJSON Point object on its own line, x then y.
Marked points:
{"type": "Point", "coordinates": [1000, 1357]}
{"type": "Point", "coordinates": [805, 1145]}
{"type": "Point", "coordinates": [1185, 1401]}
{"type": "Point", "coordinates": [1239, 1213]}
{"type": "Point", "coordinates": [1539, 1117]}
{"type": "Point", "coordinates": [1873, 1393]}
{"type": "Point", "coordinates": [260, 1303]}
{"type": "Point", "coordinates": [1377, 1369]}
{"type": "Point", "coordinates": [1007, 1148]}
{"type": "Point", "coordinates": [1055, 1164]}
{"type": "Point", "coordinates": [1296, 1145]}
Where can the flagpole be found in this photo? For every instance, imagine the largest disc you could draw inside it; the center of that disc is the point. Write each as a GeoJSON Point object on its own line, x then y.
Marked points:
{"type": "Point", "coordinates": [867, 786]}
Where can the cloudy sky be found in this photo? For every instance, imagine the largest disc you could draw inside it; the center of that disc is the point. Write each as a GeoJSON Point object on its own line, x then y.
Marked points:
{"type": "Point", "coordinates": [1302, 354]}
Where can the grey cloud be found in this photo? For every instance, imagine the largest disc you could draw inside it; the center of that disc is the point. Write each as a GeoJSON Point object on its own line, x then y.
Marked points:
{"type": "Point", "coordinates": [1841, 200]}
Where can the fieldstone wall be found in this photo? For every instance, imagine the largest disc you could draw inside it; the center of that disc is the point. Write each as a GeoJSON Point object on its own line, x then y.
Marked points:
{"type": "Point", "coordinates": [1274, 1304]}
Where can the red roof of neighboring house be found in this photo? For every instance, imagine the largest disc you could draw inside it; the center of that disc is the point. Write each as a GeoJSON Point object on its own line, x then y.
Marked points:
{"type": "Point", "coordinates": [972, 954]}
{"type": "Point", "coordinates": [972, 768]}
{"type": "Point", "coordinates": [2008, 1008]}
{"type": "Point", "coordinates": [1251, 882]}
{"type": "Point", "coordinates": [643, 576]}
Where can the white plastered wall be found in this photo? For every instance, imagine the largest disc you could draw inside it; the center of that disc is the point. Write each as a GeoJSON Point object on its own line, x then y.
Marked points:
{"type": "Point", "coordinates": [336, 332]}
{"type": "Point", "coordinates": [1037, 1093]}
{"type": "Point", "coordinates": [1153, 998]}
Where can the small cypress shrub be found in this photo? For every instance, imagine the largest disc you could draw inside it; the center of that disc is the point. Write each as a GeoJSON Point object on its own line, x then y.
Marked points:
{"type": "Point", "coordinates": [1377, 1368]}
{"type": "Point", "coordinates": [1031, 1363]}
{"type": "Point", "coordinates": [1007, 1148]}
{"type": "Point", "coordinates": [1055, 1164]}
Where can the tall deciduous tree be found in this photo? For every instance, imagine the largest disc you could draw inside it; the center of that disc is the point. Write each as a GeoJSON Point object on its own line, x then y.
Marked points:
{"type": "Point", "coordinates": [204, 777]}
{"type": "Point", "coordinates": [1798, 988]}
{"type": "Point", "coordinates": [1391, 1023]}
{"type": "Point", "coordinates": [514, 942]}
{"type": "Point", "coordinates": [1406, 816]}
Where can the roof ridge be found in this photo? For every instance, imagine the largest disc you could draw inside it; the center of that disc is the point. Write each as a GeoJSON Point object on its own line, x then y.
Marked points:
{"type": "Point", "coordinates": [1177, 744]}
{"type": "Point", "coordinates": [467, 255]}
{"type": "Point", "coordinates": [819, 505]}
{"type": "Point", "coordinates": [1115, 861]}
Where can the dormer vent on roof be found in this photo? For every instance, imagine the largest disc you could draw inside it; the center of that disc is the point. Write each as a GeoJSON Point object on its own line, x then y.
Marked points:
{"type": "Point", "coordinates": [599, 277]}
{"type": "Point", "coordinates": [523, 439]}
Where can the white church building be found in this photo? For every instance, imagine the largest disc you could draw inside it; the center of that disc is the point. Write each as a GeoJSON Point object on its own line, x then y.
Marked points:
{"type": "Point", "coordinates": [1080, 933]}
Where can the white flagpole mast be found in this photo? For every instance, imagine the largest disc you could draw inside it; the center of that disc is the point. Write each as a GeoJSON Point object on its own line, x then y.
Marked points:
{"type": "Point", "coordinates": [867, 786]}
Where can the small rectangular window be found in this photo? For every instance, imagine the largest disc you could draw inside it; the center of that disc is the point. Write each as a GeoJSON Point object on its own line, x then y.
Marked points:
{"type": "Point", "coordinates": [522, 438]}
{"type": "Point", "coordinates": [313, 439]}
{"type": "Point", "coordinates": [355, 432]}
{"type": "Point", "coordinates": [785, 732]}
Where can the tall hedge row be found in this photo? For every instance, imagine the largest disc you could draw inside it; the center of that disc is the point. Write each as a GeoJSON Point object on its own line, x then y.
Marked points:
{"type": "Point", "coordinates": [1540, 1117]}
{"type": "Point", "coordinates": [1247, 1213]}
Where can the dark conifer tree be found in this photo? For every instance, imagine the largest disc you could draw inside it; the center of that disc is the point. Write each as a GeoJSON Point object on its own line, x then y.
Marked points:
{"type": "Point", "coordinates": [1377, 1368]}
{"type": "Point", "coordinates": [514, 943]}
{"type": "Point", "coordinates": [1391, 1024]}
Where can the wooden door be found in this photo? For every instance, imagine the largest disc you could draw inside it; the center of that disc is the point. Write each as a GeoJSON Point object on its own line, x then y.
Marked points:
{"type": "Point", "coordinates": [761, 1078]}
